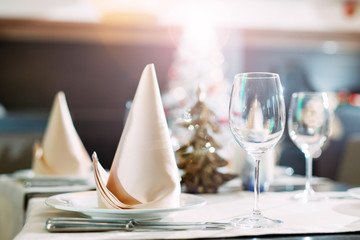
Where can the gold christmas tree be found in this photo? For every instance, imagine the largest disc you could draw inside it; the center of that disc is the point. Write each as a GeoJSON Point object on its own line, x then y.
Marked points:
{"type": "Point", "coordinates": [198, 157]}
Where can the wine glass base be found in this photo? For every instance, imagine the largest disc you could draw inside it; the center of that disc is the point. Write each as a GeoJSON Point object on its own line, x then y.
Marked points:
{"type": "Point", "coordinates": [255, 222]}
{"type": "Point", "coordinates": [308, 196]}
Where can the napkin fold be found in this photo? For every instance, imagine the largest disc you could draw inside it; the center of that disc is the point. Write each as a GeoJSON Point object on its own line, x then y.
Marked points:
{"type": "Point", "coordinates": [144, 173]}
{"type": "Point", "coordinates": [61, 151]}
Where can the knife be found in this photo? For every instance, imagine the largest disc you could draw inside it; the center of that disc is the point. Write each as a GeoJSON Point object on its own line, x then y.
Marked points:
{"type": "Point", "coordinates": [98, 225]}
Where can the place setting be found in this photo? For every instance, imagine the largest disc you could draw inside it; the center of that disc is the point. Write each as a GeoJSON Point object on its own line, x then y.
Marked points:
{"type": "Point", "coordinates": [143, 182]}
{"type": "Point", "coordinates": [60, 162]}
{"type": "Point", "coordinates": [141, 196]}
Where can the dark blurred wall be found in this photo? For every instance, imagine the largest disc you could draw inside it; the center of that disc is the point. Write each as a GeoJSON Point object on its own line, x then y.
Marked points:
{"type": "Point", "coordinates": [97, 80]}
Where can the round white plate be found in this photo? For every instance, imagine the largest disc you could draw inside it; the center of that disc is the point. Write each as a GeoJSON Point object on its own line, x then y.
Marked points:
{"type": "Point", "coordinates": [354, 192]}
{"type": "Point", "coordinates": [86, 203]}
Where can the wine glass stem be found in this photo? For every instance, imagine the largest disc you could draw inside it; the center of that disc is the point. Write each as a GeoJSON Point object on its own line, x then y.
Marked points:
{"type": "Point", "coordinates": [309, 161]}
{"type": "Point", "coordinates": [256, 211]}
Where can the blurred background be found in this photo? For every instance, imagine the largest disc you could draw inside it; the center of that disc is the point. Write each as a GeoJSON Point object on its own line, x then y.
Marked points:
{"type": "Point", "coordinates": [95, 52]}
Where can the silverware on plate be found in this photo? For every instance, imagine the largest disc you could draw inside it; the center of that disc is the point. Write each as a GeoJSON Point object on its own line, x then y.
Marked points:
{"type": "Point", "coordinates": [98, 225]}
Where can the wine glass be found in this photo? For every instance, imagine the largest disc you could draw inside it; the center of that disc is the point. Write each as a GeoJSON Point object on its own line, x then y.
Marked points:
{"type": "Point", "coordinates": [257, 120]}
{"type": "Point", "coordinates": [308, 125]}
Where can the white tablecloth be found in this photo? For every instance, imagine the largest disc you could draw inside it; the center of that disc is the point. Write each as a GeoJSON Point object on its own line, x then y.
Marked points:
{"type": "Point", "coordinates": [328, 216]}
{"type": "Point", "coordinates": [12, 201]}
{"type": "Point", "coordinates": [13, 196]}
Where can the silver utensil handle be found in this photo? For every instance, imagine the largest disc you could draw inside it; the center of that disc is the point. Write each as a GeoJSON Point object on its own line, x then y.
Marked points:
{"type": "Point", "coordinates": [56, 225]}
{"type": "Point", "coordinates": [140, 223]}
{"type": "Point", "coordinates": [82, 227]}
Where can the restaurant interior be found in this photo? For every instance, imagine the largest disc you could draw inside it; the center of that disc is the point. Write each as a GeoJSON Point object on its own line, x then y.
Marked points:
{"type": "Point", "coordinates": [96, 56]}
{"type": "Point", "coordinates": [95, 51]}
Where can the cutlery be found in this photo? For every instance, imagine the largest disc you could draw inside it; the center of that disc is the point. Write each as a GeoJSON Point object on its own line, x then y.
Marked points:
{"type": "Point", "coordinates": [52, 183]}
{"type": "Point", "coordinates": [96, 225]}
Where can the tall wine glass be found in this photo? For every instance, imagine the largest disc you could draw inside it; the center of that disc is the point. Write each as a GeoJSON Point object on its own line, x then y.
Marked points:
{"type": "Point", "coordinates": [257, 120]}
{"type": "Point", "coordinates": [308, 125]}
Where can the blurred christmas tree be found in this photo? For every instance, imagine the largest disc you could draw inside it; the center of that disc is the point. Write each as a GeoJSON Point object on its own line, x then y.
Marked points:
{"type": "Point", "coordinates": [198, 157]}
{"type": "Point", "coordinates": [198, 60]}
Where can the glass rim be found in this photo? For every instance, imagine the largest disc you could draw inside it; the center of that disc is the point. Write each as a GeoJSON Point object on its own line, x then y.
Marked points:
{"type": "Point", "coordinates": [257, 75]}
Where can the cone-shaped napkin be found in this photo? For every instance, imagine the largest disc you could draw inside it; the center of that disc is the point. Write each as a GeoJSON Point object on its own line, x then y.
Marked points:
{"type": "Point", "coordinates": [144, 173]}
{"type": "Point", "coordinates": [61, 152]}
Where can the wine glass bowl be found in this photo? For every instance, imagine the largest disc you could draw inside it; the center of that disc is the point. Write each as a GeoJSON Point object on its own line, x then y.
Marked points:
{"type": "Point", "coordinates": [308, 126]}
{"type": "Point", "coordinates": [257, 120]}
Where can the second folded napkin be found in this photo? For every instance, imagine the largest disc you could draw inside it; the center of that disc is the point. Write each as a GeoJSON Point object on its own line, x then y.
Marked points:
{"type": "Point", "coordinates": [62, 151]}
{"type": "Point", "coordinates": [144, 173]}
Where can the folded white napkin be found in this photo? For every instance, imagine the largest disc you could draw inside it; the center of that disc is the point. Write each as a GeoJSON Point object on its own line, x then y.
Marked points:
{"type": "Point", "coordinates": [61, 151]}
{"type": "Point", "coordinates": [144, 173]}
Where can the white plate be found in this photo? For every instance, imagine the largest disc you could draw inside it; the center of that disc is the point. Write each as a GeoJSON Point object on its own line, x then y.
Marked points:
{"type": "Point", "coordinates": [86, 203]}
{"type": "Point", "coordinates": [354, 192]}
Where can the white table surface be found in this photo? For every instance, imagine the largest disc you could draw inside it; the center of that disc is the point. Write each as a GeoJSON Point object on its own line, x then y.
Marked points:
{"type": "Point", "coordinates": [328, 216]}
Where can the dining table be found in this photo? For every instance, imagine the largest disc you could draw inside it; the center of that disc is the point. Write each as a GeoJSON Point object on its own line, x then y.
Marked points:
{"type": "Point", "coordinates": [335, 216]}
